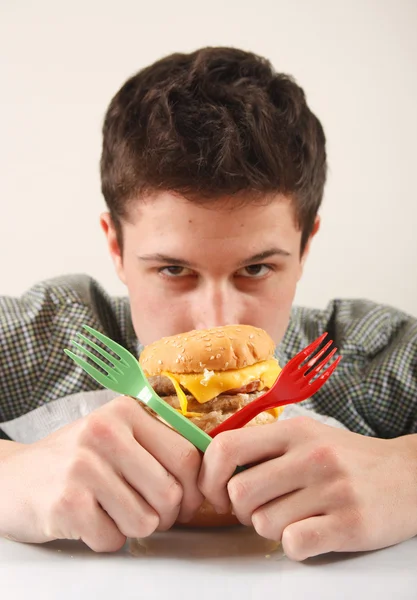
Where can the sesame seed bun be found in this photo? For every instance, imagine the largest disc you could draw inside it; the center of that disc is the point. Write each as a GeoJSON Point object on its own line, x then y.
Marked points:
{"type": "Point", "coordinates": [217, 349]}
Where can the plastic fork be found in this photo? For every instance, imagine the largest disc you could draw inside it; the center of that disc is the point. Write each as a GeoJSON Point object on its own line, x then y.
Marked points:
{"type": "Point", "coordinates": [294, 384]}
{"type": "Point", "coordinates": [124, 375]}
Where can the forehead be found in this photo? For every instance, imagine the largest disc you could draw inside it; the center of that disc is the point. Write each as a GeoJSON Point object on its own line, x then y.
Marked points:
{"type": "Point", "coordinates": [169, 222]}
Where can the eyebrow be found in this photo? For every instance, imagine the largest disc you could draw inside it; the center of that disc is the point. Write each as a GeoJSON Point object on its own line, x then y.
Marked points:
{"type": "Point", "coordinates": [265, 254]}
{"type": "Point", "coordinates": [171, 260]}
{"type": "Point", "coordinates": [168, 260]}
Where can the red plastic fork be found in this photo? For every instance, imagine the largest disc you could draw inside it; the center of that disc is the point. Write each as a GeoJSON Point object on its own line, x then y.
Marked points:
{"type": "Point", "coordinates": [294, 384]}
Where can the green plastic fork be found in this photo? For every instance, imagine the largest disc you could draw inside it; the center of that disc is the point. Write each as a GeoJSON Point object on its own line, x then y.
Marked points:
{"type": "Point", "coordinates": [125, 376]}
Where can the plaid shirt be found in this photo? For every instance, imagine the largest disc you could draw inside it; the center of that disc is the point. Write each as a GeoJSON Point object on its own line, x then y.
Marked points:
{"type": "Point", "coordinates": [372, 392]}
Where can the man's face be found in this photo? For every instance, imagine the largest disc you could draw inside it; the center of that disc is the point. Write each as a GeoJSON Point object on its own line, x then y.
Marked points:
{"type": "Point", "coordinates": [194, 267]}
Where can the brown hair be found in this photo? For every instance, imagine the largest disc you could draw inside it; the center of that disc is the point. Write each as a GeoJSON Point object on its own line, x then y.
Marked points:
{"type": "Point", "coordinates": [215, 122]}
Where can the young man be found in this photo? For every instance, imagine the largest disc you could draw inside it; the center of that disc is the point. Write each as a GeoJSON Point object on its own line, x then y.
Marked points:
{"type": "Point", "coordinates": [213, 170]}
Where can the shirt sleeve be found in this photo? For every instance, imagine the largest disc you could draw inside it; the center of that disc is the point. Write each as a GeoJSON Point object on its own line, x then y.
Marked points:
{"type": "Point", "coordinates": [374, 389]}
{"type": "Point", "coordinates": [34, 330]}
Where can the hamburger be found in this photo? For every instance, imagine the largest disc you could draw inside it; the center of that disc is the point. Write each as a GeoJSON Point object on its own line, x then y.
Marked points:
{"type": "Point", "coordinates": [208, 375]}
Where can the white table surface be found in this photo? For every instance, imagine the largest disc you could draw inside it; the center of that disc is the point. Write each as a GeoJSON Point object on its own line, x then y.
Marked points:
{"type": "Point", "coordinates": [234, 563]}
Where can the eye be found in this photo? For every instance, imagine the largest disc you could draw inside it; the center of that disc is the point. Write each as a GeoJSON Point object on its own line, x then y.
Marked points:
{"type": "Point", "coordinates": [254, 271]}
{"type": "Point", "coordinates": [175, 271]}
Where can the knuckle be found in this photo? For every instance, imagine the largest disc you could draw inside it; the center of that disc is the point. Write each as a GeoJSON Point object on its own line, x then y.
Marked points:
{"type": "Point", "coordinates": [293, 551]}
{"type": "Point", "coordinates": [223, 446]}
{"type": "Point", "coordinates": [173, 493]}
{"type": "Point", "coordinates": [146, 522]}
{"type": "Point", "coordinates": [325, 457]}
{"type": "Point", "coordinates": [190, 459]}
{"type": "Point", "coordinates": [80, 468]}
{"type": "Point", "coordinates": [98, 429]}
{"type": "Point", "coordinates": [107, 544]}
{"type": "Point", "coordinates": [265, 526]}
{"type": "Point", "coordinates": [68, 503]}
{"type": "Point", "coordinates": [298, 542]}
{"type": "Point", "coordinates": [238, 490]}
{"type": "Point", "coordinates": [307, 538]}
{"type": "Point", "coordinates": [123, 407]}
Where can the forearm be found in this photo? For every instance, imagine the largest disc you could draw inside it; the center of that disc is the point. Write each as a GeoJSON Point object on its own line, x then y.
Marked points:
{"type": "Point", "coordinates": [7, 448]}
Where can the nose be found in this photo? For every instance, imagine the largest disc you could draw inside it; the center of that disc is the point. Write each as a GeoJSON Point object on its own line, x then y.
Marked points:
{"type": "Point", "coordinates": [216, 305]}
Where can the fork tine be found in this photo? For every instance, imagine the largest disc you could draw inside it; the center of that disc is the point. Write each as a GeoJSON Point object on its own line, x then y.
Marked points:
{"type": "Point", "coordinates": [106, 367]}
{"type": "Point", "coordinates": [316, 357]}
{"type": "Point", "coordinates": [114, 346]}
{"type": "Point", "coordinates": [317, 383]}
{"type": "Point", "coordinates": [296, 361]}
{"type": "Point", "coordinates": [314, 372]}
{"type": "Point", "coordinates": [95, 373]}
{"type": "Point", "coordinates": [115, 361]}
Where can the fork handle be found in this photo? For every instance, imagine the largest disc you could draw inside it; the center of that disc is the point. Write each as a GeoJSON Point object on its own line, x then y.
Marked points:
{"type": "Point", "coordinates": [238, 419]}
{"type": "Point", "coordinates": [247, 413]}
{"type": "Point", "coordinates": [194, 434]}
{"type": "Point", "coordinates": [199, 438]}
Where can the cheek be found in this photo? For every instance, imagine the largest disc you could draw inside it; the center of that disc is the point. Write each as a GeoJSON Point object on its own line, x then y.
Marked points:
{"type": "Point", "coordinates": [144, 302]}
{"type": "Point", "coordinates": [272, 310]}
{"type": "Point", "coordinates": [148, 313]}
{"type": "Point", "coordinates": [153, 315]}
{"type": "Point", "coordinates": [280, 289]}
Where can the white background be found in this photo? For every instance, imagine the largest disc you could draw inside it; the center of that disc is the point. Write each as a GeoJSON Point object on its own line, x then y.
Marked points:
{"type": "Point", "coordinates": [61, 62]}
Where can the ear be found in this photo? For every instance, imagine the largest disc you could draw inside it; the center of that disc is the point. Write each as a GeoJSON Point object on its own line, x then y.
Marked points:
{"type": "Point", "coordinates": [109, 229]}
{"type": "Point", "coordinates": [304, 256]}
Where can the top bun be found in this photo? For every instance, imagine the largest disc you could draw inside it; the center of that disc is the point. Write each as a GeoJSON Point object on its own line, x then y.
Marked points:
{"type": "Point", "coordinates": [216, 349]}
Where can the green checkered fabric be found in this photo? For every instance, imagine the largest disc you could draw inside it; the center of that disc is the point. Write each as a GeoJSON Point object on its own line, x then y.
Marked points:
{"type": "Point", "coordinates": [373, 391]}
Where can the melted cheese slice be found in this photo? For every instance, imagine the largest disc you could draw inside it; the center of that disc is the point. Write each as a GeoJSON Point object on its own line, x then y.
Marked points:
{"type": "Point", "coordinates": [205, 387]}
{"type": "Point", "coordinates": [181, 396]}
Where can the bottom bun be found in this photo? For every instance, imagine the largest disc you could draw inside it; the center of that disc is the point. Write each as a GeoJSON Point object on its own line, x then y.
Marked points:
{"type": "Point", "coordinates": [206, 516]}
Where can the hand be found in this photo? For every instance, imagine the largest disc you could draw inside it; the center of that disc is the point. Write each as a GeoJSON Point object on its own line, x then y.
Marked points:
{"type": "Point", "coordinates": [316, 488]}
{"type": "Point", "coordinates": [116, 473]}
